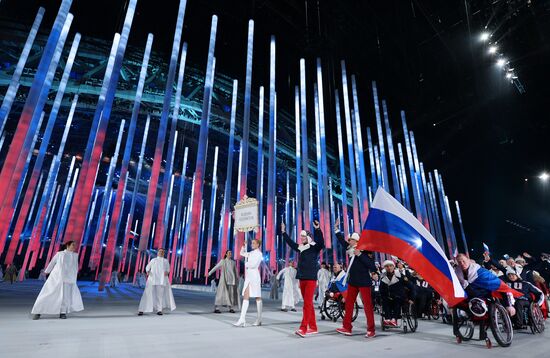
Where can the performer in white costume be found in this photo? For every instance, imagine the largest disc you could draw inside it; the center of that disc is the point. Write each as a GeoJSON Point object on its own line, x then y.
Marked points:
{"type": "Point", "coordinates": [323, 278]}
{"type": "Point", "coordinates": [158, 292]}
{"type": "Point", "coordinates": [290, 297]}
{"type": "Point", "coordinates": [114, 279]}
{"type": "Point", "coordinates": [60, 294]}
{"type": "Point", "coordinates": [252, 282]}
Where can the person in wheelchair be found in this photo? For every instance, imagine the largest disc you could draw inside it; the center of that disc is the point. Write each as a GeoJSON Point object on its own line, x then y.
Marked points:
{"type": "Point", "coordinates": [521, 304]}
{"type": "Point", "coordinates": [423, 295]}
{"type": "Point", "coordinates": [337, 284]}
{"type": "Point", "coordinates": [393, 291]}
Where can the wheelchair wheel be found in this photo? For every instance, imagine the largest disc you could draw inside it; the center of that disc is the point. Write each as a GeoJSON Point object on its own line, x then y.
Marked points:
{"type": "Point", "coordinates": [463, 328]}
{"type": "Point", "coordinates": [412, 320]}
{"type": "Point", "coordinates": [501, 325]}
{"type": "Point", "coordinates": [536, 319]}
{"type": "Point", "coordinates": [331, 309]}
{"type": "Point", "coordinates": [355, 311]}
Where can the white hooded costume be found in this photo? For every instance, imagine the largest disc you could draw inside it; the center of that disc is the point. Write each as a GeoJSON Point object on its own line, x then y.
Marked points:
{"type": "Point", "coordinates": [158, 292]}
{"type": "Point", "coordinates": [323, 278]}
{"type": "Point", "coordinates": [290, 297]}
{"type": "Point", "coordinates": [60, 293]}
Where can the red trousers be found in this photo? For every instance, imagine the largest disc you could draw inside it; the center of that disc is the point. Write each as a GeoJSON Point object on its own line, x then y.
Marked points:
{"type": "Point", "coordinates": [307, 288]}
{"type": "Point", "coordinates": [351, 297]}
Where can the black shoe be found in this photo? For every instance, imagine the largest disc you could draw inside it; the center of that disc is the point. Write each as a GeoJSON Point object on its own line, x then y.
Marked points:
{"type": "Point", "coordinates": [232, 311]}
{"type": "Point", "coordinates": [140, 313]}
{"type": "Point", "coordinates": [217, 311]}
{"type": "Point", "coordinates": [293, 309]}
{"type": "Point", "coordinates": [159, 313]}
{"type": "Point", "coordinates": [36, 317]}
{"type": "Point", "coordinates": [284, 310]}
{"type": "Point", "coordinates": [63, 316]}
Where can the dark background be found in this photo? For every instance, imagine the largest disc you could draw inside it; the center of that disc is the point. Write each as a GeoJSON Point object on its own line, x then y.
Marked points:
{"type": "Point", "coordinates": [488, 140]}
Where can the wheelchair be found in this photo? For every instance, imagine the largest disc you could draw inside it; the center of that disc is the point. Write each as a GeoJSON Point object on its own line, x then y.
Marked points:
{"type": "Point", "coordinates": [407, 320]}
{"type": "Point", "coordinates": [493, 315]}
{"type": "Point", "coordinates": [333, 307]}
{"type": "Point", "coordinates": [530, 317]}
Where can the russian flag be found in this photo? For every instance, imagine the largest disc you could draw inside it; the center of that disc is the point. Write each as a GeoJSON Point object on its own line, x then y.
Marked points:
{"type": "Point", "coordinates": [392, 229]}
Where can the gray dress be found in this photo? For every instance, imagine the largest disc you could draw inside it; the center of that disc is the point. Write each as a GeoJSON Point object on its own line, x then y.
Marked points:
{"type": "Point", "coordinates": [226, 294]}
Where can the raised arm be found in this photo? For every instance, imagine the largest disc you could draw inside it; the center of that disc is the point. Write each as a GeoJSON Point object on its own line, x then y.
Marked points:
{"type": "Point", "coordinates": [52, 263]}
{"type": "Point", "coordinates": [318, 236]}
{"type": "Point", "coordinates": [243, 252]}
{"type": "Point", "coordinates": [289, 242]}
{"type": "Point", "coordinates": [215, 268]}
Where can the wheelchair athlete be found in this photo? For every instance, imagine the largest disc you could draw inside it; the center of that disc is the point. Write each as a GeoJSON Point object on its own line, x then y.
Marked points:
{"type": "Point", "coordinates": [521, 304]}
{"type": "Point", "coordinates": [393, 291]}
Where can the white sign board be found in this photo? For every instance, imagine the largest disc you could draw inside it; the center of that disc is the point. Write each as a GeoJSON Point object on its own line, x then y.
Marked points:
{"type": "Point", "coordinates": [246, 215]}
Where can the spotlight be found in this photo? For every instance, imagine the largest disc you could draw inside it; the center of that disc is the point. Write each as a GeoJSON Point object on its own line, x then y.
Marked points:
{"type": "Point", "coordinates": [509, 75]}
{"type": "Point", "coordinates": [484, 36]}
{"type": "Point", "coordinates": [492, 50]}
{"type": "Point", "coordinates": [501, 62]}
{"type": "Point", "coordinates": [544, 176]}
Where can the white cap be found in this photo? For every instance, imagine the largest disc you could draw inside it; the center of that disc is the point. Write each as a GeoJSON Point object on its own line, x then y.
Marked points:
{"type": "Point", "coordinates": [388, 262]}
{"type": "Point", "coordinates": [355, 236]}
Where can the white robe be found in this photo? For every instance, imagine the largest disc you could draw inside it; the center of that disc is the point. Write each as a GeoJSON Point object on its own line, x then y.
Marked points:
{"type": "Point", "coordinates": [323, 278]}
{"type": "Point", "coordinates": [114, 279]}
{"type": "Point", "coordinates": [60, 290]}
{"type": "Point", "coordinates": [252, 278]}
{"type": "Point", "coordinates": [290, 297]}
{"type": "Point", "coordinates": [157, 280]}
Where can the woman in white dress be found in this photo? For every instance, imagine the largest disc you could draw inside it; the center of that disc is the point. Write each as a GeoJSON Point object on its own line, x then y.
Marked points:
{"type": "Point", "coordinates": [252, 282]}
{"type": "Point", "coordinates": [60, 294]}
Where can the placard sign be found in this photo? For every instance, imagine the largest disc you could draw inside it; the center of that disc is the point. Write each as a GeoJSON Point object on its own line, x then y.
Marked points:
{"type": "Point", "coordinates": [246, 215]}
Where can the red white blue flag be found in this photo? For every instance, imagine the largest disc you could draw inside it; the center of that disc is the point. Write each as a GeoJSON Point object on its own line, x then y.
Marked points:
{"type": "Point", "coordinates": [392, 229]}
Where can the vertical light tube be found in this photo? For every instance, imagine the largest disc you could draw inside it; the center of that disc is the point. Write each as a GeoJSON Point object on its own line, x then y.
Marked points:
{"type": "Point", "coordinates": [212, 216]}
{"type": "Point", "coordinates": [116, 215]}
{"type": "Point", "coordinates": [161, 136]}
{"type": "Point", "coordinates": [298, 215]}
{"type": "Point", "coordinates": [260, 163]}
{"type": "Point", "coordinates": [7, 102]}
{"type": "Point", "coordinates": [374, 178]}
{"type": "Point", "coordinates": [351, 157]}
{"type": "Point", "coordinates": [201, 152]}
{"type": "Point", "coordinates": [343, 185]}
{"type": "Point", "coordinates": [393, 166]}
{"type": "Point", "coordinates": [410, 164]}
{"type": "Point", "coordinates": [97, 137]}
{"type": "Point", "coordinates": [362, 174]}
{"type": "Point", "coordinates": [464, 242]}
{"type": "Point", "coordinates": [226, 219]}
{"type": "Point", "coordinates": [15, 167]}
{"type": "Point", "coordinates": [271, 174]}
{"type": "Point", "coordinates": [305, 155]}
{"type": "Point", "coordinates": [328, 226]}
{"type": "Point", "coordinates": [406, 198]}
{"type": "Point", "coordinates": [444, 215]}
{"type": "Point", "coordinates": [419, 182]}
{"type": "Point", "coordinates": [381, 146]}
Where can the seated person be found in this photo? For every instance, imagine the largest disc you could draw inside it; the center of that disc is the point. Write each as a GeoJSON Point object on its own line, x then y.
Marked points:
{"type": "Point", "coordinates": [424, 294]}
{"type": "Point", "coordinates": [336, 284]}
{"type": "Point", "coordinates": [481, 283]}
{"type": "Point", "coordinates": [392, 292]}
{"type": "Point", "coordinates": [376, 288]}
{"type": "Point", "coordinates": [513, 280]}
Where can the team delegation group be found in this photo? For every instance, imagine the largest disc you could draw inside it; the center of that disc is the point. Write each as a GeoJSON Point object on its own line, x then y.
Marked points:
{"type": "Point", "coordinates": [387, 284]}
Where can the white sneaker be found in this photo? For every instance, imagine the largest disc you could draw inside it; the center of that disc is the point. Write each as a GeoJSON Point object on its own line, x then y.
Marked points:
{"type": "Point", "coordinates": [240, 323]}
{"type": "Point", "coordinates": [257, 323]}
